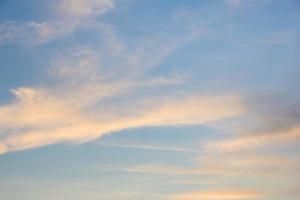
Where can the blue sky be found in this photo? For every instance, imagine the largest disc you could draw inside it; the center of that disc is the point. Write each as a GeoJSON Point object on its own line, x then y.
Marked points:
{"type": "Point", "coordinates": [154, 100]}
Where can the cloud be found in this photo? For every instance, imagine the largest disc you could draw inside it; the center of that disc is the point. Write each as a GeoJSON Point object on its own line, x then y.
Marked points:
{"type": "Point", "coordinates": [194, 181]}
{"type": "Point", "coordinates": [37, 118]}
{"type": "Point", "coordinates": [218, 195]}
{"type": "Point", "coordinates": [238, 4]}
{"type": "Point", "coordinates": [271, 120]}
{"type": "Point", "coordinates": [249, 164]}
{"type": "Point", "coordinates": [278, 38]}
{"type": "Point", "coordinates": [33, 33]}
{"type": "Point", "coordinates": [221, 170]}
{"type": "Point", "coordinates": [73, 107]}
{"type": "Point", "coordinates": [274, 112]}
{"type": "Point", "coordinates": [84, 80]}
{"type": "Point", "coordinates": [254, 141]}
{"type": "Point", "coordinates": [163, 169]}
{"type": "Point", "coordinates": [27, 32]}
{"type": "Point", "coordinates": [74, 101]}
{"type": "Point", "coordinates": [67, 16]}
{"type": "Point", "coordinates": [149, 147]}
{"type": "Point", "coordinates": [236, 165]}
{"type": "Point", "coordinates": [234, 3]}
{"type": "Point", "coordinates": [84, 8]}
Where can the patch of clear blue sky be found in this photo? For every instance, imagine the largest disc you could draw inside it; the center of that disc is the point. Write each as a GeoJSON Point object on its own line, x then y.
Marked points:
{"type": "Point", "coordinates": [95, 168]}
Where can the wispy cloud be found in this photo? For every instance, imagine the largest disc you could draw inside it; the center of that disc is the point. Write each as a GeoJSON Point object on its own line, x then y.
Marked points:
{"type": "Point", "coordinates": [239, 4]}
{"type": "Point", "coordinates": [149, 147]}
{"type": "Point", "coordinates": [164, 170]}
{"type": "Point", "coordinates": [67, 16]}
{"type": "Point", "coordinates": [37, 118]}
{"type": "Point", "coordinates": [218, 195]}
{"type": "Point", "coordinates": [234, 3]}
{"type": "Point", "coordinates": [83, 8]}
{"type": "Point", "coordinates": [231, 165]}
{"type": "Point", "coordinates": [72, 106]}
{"type": "Point", "coordinates": [256, 140]}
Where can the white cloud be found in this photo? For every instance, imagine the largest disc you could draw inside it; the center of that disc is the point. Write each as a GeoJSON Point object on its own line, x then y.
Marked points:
{"type": "Point", "coordinates": [149, 147]}
{"type": "Point", "coordinates": [84, 8]}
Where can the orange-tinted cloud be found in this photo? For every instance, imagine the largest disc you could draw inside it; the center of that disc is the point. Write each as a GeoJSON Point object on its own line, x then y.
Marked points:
{"type": "Point", "coordinates": [217, 195]}
{"type": "Point", "coordinates": [39, 118]}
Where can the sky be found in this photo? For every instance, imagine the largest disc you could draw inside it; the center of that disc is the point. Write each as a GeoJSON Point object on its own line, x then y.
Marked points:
{"type": "Point", "coordinates": [150, 100]}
